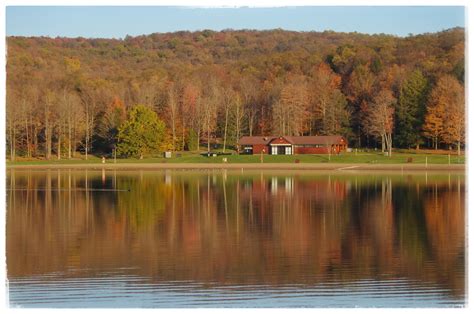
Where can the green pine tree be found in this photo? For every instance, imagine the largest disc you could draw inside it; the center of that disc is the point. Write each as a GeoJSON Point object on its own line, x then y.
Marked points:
{"type": "Point", "coordinates": [143, 133]}
{"type": "Point", "coordinates": [410, 110]}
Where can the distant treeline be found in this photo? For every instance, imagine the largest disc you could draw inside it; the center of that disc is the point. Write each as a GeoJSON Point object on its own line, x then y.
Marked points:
{"type": "Point", "coordinates": [69, 95]}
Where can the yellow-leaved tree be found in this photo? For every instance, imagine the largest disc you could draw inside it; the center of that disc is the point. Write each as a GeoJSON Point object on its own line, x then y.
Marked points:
{"type": "Point", "coordinates": [444, 121]}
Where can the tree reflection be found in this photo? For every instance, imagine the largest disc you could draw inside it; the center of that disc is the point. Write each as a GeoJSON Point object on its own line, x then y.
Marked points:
{"type": "Point", "coordinates": [222, 227]}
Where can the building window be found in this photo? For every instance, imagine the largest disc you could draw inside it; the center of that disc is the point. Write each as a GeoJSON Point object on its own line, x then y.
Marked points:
{"type": "Point", "coordinates": [311, 145]}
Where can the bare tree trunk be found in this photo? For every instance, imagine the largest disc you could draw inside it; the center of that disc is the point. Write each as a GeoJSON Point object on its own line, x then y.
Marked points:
{"type": "Point", "coordinates": [87, 131]}
{"type": "Point", "coordinates": [59, 142]}
{"type": "Point", "coordinates": [389, 143]}
{"type": "Point", "coordinates": [183, 134]}
{"type": "Point", "coordinates": [48, 140]}
{"type": "Point", "coordinates": [47, 131]}
{"type": "Point", "coordinates": [172, 107]}
{"type": "Point", "coordinates": [87, 142]}
{"type": "Point", "coordinates": [237, 131]}
{"type": "Point", "coordinates": [173, 129]}
{"type": "Point", "coordinates": [69, 144]}
{"type": "Point", "coordinates": [237, 126]}
{"type": "Point", "coordinates": [35, 140]}
{"type": "Point", "coordinates": [225, 128]}
{"type": "Point", "coordinates": [12, 142]}
{"type": "Point", "coordinates": [89, 125]}
{"type": "Point", "coordinates": [74, 142]}
{"type": "Point", "coordinates": [198, 137]}
{"type": "Point", "coordinates": [459, 148]}
{"type": "Point", "coordinates": [208, 136]}
{"type": "Point", "coordinates": [28, 146]}
{"type": "Point", "coordinates": [251, 118]}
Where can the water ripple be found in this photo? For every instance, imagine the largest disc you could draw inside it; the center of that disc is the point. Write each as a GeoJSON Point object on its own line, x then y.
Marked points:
{"type": "Point", "coordinates": [135, 291]}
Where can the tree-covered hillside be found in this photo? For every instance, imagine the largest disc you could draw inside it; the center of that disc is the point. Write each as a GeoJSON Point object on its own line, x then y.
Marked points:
{"type": "Point", "coordinates": [66, 95]}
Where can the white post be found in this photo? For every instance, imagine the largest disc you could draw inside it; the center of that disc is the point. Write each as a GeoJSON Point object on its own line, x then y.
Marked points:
{"type": "Point", "coordinates": [426, 162]}
{"type": "Point", "coordinates": [449, 159]}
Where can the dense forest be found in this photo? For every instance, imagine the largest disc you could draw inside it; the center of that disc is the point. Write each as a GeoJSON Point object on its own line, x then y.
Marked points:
{"type": "Point", "coordinates": [177, 91]}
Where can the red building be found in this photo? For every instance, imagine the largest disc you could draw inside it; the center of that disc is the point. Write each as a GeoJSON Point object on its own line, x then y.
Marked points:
{"type": "Point", "coordinates": [291, 145]}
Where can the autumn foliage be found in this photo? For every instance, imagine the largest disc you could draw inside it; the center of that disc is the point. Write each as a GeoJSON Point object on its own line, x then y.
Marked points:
{"type": "Point", "coordinates": [69, 95]}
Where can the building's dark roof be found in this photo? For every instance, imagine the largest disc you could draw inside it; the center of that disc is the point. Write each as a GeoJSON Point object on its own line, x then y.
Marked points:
{"type": "Point", "coordinates": [298, 140]}
{"type": "Point", "coordinates": [323, 139]}
{"type": "Point", "coordinates": [255, 140]}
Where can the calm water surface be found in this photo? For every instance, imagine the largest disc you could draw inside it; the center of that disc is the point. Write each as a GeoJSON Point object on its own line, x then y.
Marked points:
{"type": "Point", "coordinates": [234, 239]}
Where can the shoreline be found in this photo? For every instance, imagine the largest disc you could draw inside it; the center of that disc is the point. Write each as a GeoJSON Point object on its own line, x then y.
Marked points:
{"type": "Point", "coordinates": [253, 166]}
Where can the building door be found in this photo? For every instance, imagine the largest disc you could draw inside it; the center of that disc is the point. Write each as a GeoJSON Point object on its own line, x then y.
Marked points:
{"type": "Point", "coordinates": [281, 150]}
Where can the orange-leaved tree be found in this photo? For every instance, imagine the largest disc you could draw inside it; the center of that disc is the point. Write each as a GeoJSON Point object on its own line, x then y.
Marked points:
{"type": "Point", "coordinates": [444, 120]}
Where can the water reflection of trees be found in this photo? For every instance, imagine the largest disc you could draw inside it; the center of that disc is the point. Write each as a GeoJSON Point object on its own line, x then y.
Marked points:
{"type": "Point", "coordinates": [224, 227]}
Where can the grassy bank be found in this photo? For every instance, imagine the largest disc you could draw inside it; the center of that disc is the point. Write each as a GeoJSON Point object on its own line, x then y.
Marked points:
{"type": "Point", "coordinates": [365, 158]}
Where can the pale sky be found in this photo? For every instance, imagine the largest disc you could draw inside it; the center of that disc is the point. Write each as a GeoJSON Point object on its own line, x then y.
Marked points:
{"type": "Point", "coordinates": [117, 22]}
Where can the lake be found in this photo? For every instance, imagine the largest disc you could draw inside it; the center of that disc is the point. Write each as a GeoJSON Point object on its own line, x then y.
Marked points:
{"type": "Point", "coordinates": [222, 238]}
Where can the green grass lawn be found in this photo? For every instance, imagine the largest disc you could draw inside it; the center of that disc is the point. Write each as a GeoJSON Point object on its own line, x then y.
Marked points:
{"type": "Point", "coordinates": [188, 157]}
